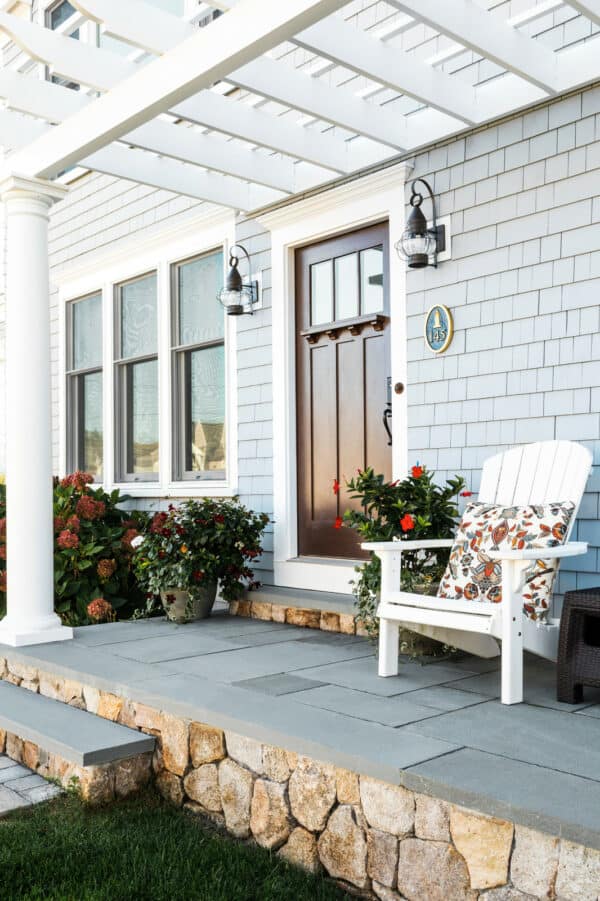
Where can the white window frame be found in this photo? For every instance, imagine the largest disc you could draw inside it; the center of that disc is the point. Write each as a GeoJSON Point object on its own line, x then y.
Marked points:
{"type": "Point", "coordinates": [128, 261]}
{"type": "Point", "coordinates": [355, 204]}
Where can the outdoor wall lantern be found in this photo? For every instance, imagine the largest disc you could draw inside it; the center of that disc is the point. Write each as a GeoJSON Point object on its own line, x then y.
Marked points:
{"type": "Point", "coordinates": [237, 296]}
{"type": "Point", "coordinates": [421, 244]}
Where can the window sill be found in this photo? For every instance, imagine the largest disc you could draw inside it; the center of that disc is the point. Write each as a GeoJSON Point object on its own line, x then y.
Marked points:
{"type": "Point", "coordinates": [174, 489]}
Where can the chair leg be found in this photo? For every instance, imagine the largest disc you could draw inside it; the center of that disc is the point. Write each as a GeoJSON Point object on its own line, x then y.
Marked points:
{"type": "Point", "coordinates": [388, 647]}
{"type": "Point", "coordinates": [512, 636]}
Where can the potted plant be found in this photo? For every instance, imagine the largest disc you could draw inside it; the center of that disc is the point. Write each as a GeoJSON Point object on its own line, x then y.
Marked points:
{"type": "Point", "coordinates": [191, 550]}
{"type": "Point", "coordinates": [414, 507]}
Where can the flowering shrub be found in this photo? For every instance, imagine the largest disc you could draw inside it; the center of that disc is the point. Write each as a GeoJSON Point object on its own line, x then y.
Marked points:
{"type": "Point", "coordinates": [92, 552]}
{"type": "Point", "coordinates": [412, 508]}
{"type": "Point", "coordinates": [200, 543]}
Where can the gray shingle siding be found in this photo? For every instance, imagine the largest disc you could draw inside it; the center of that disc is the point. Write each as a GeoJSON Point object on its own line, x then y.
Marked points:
{"type": "Point", "coordinates": [524, 287]}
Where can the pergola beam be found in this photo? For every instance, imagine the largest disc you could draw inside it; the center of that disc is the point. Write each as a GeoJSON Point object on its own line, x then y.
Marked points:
{"type": "Point", "coordinates": [473, 27]}
{"type": "Point", "coordinates": [158, 32]}
{"type": "Point", "coordinates": [588, 8]}
{"type": "Point", "coordinates": [254, 27]}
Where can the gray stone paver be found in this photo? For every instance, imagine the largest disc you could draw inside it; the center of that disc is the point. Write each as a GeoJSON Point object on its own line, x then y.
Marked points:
{"type": "Point", "coordinates": [437, 724]}
{"type": "Point", "coordinates": [23, 787]}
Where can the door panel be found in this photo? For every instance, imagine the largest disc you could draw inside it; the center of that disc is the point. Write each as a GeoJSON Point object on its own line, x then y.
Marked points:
{"type": "Point", "coordinates": [342, 369]}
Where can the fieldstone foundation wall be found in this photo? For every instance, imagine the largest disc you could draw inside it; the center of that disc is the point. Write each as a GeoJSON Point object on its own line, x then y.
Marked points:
{"type": "Point", "coordinates": [379, 839]}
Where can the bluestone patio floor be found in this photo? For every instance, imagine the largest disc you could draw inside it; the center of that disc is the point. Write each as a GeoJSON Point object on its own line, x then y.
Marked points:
{"type": "Point", "coordinates": [437, 727]}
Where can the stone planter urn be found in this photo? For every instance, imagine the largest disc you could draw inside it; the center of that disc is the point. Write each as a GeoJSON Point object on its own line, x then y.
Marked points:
{"type": "Point", "coordinates": [184, 607]}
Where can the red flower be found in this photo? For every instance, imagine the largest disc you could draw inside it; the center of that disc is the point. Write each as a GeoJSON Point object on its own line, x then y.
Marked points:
{"type": "Point", "coordinates": [198, 575]}
{"type": "Point", "coordinates": [128, 537]}
{"type": "Point", "coordinates": [3, 580]}
{"type": "Point", "coordinates": [158, 521]}
{"type": "Point", "coordinates": [73, 523]}
{"type": "Point", "coordinates": [338, 522]}
{"type": "Point", "coordinates": [407, 522]}
{"type": "Point", "coordinates": [417, 472]}
{"type": "Point", "coordinates": [2, 552]}
{"type": "Point", "coordinates": [336, 486]}
{"type": "Point", "coordinates": [219, 518]}
{"type": "Point", "coordinates": [100, 610]}
{"type": "Point", "coordinates": [77, 480]}
{"type": "Point", "coordinates": [466, 494]}
{"type": "Point", "coordinates": [59, 523]}
{"type": "Point", "coordinates": [88, 508]}
{"type": "Point", "coordinates": [67, 540]}
{"type": "Point", "coordinates": [105, 569]}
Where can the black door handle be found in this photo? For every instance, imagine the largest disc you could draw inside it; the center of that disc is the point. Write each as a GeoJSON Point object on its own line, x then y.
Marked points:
{"type": "Point", "coordinates": [387, 415]}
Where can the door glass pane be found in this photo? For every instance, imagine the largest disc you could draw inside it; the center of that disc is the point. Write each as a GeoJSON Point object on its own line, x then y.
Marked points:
{"type": "Point", "coordinates": [143, 413]}
{"type": "Point", "coordinates": [92, 424]}
{"type": "Point", "coordinates": [207, 410]}
{"type": "Point", "coordinates": [201, 316]}
{"type": "Point", "coordinates": [346, 286]}
{"type": "Point", "coordinates": [138, 317]}
{"type": "Point", "coordinates": [87, 332]}
{"type": "Point", "coordinates": [371, 274]}
{"type": "Point", "coordinates": [321, 292]}
{"type": "Point", "coordinates": [60, 14]}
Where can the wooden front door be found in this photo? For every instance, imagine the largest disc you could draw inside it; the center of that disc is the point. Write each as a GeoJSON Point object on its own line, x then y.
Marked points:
{"type": "Point", "coordinates": [343, 379]}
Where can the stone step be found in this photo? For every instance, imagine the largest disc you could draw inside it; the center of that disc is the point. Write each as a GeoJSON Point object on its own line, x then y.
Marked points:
{"type": "Point", "coordinates": [304, 598]}
{"type": "Point", "coordinates": [75, 735]}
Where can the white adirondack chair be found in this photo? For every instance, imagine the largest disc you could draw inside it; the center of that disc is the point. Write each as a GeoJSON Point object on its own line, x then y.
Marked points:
{"type": "Point", "coordinates": [539, 473]}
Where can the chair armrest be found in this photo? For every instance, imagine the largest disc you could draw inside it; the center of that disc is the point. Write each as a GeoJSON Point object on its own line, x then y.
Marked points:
{"type": "Point", "coordinates": [571, 549]}
{"type": "Point", "coordinates": [418, 544]}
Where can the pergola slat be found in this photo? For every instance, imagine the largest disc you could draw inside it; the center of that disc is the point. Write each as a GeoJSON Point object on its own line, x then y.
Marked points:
{"type": "Point", "coordinates": [103, 70]}
{"type": "Point", "coordinates": [268, 77]}
{"type": "Point", "coordinates": [55, 103]}
{"type": "Point", "coordinates": [473, 27]}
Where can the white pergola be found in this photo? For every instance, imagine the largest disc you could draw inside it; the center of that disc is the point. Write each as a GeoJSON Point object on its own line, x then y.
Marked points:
{"type": "Point", "coordinates": [274, 98]}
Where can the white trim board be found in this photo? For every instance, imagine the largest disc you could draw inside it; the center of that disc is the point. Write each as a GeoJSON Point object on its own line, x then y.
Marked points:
{"type": "Point", "coordinates": [371, 199]}
{"type": "Point", "coordinates": [140, 257]}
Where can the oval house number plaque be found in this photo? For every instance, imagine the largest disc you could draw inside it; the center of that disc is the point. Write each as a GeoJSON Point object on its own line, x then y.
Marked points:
{"type": "Point", "coordinates": [439, 328]}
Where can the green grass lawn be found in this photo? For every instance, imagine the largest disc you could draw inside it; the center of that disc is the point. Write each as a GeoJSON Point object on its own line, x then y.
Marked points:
{"type": "Point", "coordinates": [136, 850]}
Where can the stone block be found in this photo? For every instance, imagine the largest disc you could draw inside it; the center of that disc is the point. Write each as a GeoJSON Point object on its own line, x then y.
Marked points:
{"type": "Point", "coordinates": [31, 755]}
{"type": "Point", "coordinates": [278, 613]}
{"type": "Point", "coordinates": [175, 743]}
{"type": "Point", "coordinates": [343, 848]}
{"type": "Point", "coordinates": [270, 820]}
{"type": "Point", "coordinates": [384, 893]}
{"type": "Point", "coordinates": [109, 706]}
{"type": "Point", "coordinates": [14, 747]}
{"type": "Point", "coordinates": [132, 774]}
{"type": "Point", "coordinates": [275, 764]}
{"type": "Point", "coordinates": [432, 870]}
{"type": "Point", "coordinates": [2, 740]}
{"type": "Point", "coordinates": [91, 696]}
{"type": "Point", "coordinates": [22, 671]}
{"type": "Point", "coordinates": [329, 622]}
{"type": "Point", "coordinates": [578, 877]}
{"type": "Point", "coordinates": [207, 744]}
{"type": "Point", "coordinates": [382, 857]}
{"type": "Point", "coordinates": [301, 850]}
{"type": "Point", "coordinates": [485, 843]}
{"type": "Point", "coordinates": [389, 808]}
{"type": "Point", "coordinates": [432, 819]}
{"type": "Point", "coordinates": [235, 784]}
{"type": "Point", "coordinates": [170, 787]}
{"type": "Point", "coordinates": [347, 786]}
{"type": "Point", "coordinates": [202, 785]}
{"type": "Point", "coordinates": [312, 792]}
{"type": "Point", "coordinates": [244, 750]}
{"type": "Point", "coordinates": [298, 616]}
{"type": "Point", "coordinates": [347, 624]}
{"type": "Point", "coordinates": [506, 893]}
{"type": "Point", "coordinates": [262, 610]}
{"type": "Point", "coordinates": [534, 862]}
{"type": "Point", "coordinates": [96, 783]}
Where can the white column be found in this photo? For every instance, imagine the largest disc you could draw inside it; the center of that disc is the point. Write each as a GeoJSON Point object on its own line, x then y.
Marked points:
{"type": "Point", "coordinates": [30, 617]}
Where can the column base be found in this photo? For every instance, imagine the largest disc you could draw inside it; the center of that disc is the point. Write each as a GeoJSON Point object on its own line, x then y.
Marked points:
{"type": "Point", "coordinates": [18, 639]}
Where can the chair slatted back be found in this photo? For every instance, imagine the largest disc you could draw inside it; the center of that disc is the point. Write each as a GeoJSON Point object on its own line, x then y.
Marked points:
{"type": "Point", "coordinates": [539, 473]}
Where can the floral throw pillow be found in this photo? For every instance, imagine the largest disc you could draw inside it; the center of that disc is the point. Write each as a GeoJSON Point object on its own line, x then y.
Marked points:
{"type": "Point", "coordinates": [472, 575]}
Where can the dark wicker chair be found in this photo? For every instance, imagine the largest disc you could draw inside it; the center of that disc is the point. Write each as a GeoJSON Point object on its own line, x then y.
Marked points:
{"type": "Point", "coordinates": [579, 645]}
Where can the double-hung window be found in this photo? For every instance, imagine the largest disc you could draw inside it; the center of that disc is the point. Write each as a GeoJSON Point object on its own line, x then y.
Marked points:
{"type": "Point", "coordinates": [198, 348]}
{"type": "Point", "coordinates": [84, 385]}
{"type": "Point", "coordinates": [136, 380]}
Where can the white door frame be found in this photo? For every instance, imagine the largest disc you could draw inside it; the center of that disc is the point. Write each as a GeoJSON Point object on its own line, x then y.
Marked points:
{"type": "Point", "coordinates": [352, 205]}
